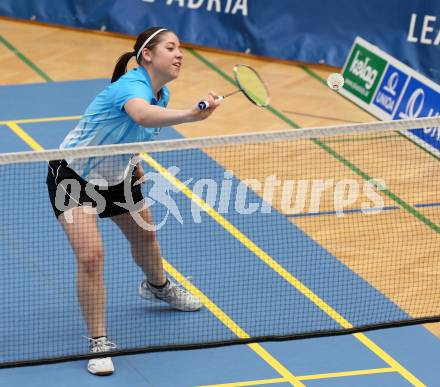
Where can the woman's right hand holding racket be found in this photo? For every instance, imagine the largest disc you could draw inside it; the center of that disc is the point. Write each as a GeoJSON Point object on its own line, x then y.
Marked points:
{"type": "Point", "coordinates": [212, 101]}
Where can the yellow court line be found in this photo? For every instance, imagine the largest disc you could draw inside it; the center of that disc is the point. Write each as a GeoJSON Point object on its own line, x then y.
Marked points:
{"type": "Point", "coordinates": [233, 326]}
{"type": "Point", "coordinates": [211, 306]}
{"type": "Point", "coordinates": [249, 383]}
{"type": "Point", "coordinates": [345, 374]}
{"type": "Point", "coordinates": [268, 260]}
{"type": "Point", "coordinates": [248, 243]}
{"type": "Point", "coordinates": [24, 136]}
{"type": "Point", "coordinates": [372, 371]}
{"type": "Point", "coordinates": [48, 119]}
{"type": "Point", "coordinates": [388, 359]}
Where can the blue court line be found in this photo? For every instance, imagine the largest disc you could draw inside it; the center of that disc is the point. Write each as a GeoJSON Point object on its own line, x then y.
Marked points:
{"type": "Point", "coordinates": [428, 205]}
{"type": "Point", "coordinates": [357, 210]}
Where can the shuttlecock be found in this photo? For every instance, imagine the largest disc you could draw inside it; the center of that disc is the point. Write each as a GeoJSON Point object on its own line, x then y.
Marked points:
{"type": "Point", "coordinates": [335, 81]}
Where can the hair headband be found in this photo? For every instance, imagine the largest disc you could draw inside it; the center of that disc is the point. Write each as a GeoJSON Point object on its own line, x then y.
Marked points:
{"type": "Point", "coordinates": [148, 41]}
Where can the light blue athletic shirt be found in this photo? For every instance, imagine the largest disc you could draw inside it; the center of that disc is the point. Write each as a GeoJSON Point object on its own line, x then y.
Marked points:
{"type": "Point", "coordinates": [105, 121]}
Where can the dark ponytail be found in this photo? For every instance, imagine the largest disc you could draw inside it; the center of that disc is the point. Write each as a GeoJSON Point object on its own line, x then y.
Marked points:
{"type": "Point", "coordinates": [121, 64]}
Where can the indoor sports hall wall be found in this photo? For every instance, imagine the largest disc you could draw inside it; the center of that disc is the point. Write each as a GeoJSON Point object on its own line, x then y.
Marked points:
{"type": "Point", "coordinates": [316, 31]}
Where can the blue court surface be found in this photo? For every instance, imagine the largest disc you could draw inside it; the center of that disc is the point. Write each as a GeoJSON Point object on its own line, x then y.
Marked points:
{"type": "Point", "coordinates": [393, 357]}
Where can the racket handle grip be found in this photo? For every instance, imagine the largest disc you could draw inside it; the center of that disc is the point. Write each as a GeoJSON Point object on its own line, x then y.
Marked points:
{"type": "Point", "coordinates": [203, 105]}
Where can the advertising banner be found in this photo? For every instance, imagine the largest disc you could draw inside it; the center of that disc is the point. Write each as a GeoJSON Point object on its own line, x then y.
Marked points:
{"type": "Point", "coordinates": [390, 90]}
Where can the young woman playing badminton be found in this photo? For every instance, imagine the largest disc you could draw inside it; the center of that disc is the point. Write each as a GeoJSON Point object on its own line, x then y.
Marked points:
{"type": "Point", "coordinates": [130, 109]}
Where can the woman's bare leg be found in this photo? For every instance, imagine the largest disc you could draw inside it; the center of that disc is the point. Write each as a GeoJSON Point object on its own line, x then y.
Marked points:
{"type": "Point", "coordinates": [144, 246]}
{"type": "Point", "coordinates": [83, 233]}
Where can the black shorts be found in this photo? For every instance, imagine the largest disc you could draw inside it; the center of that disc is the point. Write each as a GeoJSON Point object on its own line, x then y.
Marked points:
{"type": "Point", "coordinates": [88, 194]}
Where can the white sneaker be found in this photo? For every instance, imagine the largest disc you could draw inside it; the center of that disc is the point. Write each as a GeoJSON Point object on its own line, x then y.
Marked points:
{"type": "Point", "coordinates": [177, 297]}
{"type": "Point", "coordinates": [104, 365]}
